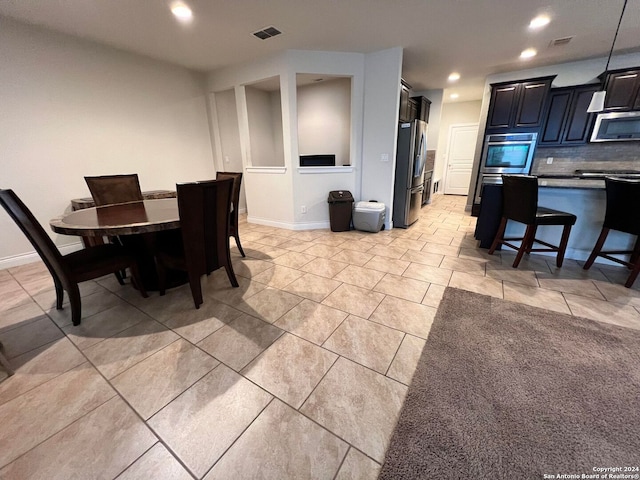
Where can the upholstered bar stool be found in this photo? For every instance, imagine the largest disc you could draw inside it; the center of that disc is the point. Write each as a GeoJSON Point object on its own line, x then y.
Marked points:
{"type": "Point", "coordinates": [520, 203]}
{"type": "Point", "coordinates": [622, 214]}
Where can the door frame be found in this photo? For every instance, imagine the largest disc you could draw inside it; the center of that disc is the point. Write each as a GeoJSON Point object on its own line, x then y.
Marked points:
{"type": "Point", "coordinates": [446, 160]}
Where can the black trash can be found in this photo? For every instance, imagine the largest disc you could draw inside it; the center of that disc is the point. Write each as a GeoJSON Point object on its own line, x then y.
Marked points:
{"type": "Point", "coordinates": [340, 208]}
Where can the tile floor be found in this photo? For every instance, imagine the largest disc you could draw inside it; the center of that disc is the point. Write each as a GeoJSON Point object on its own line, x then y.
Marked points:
{"type": "Point", "coordinates": [299, 373]}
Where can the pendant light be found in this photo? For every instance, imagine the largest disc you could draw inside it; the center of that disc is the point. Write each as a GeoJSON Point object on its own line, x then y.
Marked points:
{"type": "Point", "coordinates": [597, 101]}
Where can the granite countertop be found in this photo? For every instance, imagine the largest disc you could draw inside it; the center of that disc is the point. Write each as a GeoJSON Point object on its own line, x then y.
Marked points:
{"type": "Point", "coordinates": [583, 178]}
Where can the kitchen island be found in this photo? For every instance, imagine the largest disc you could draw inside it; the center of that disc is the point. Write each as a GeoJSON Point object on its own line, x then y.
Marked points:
{"type": "Point", "coordinates": [578, 193]}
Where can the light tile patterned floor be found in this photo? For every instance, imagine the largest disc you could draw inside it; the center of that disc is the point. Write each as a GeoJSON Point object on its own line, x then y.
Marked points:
{"type": "Point", "coordinates": [298, 373]}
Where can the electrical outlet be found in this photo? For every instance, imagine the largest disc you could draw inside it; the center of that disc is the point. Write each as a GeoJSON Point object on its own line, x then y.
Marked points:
{"type": "Point", "coordinates": [303, 209]}
{"type": "Point", "coordinates": [549, 160]}
{"type": "Point", "coordinates": [226, 158]}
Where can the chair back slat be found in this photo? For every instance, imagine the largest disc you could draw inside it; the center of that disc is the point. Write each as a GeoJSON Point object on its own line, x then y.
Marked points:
{"type": "Point", "coordinates": [204, 221]}
{"type": "Point", "coordinates": [235, 193]}
{"type": "Point", "coordinates": [520, 198]}
{"type": "Point", "coordinates": [112, 189]}
{"type": "Point", "coordinates": [34, 232]}
{"type": "Point", "coordinates": [623, 205]}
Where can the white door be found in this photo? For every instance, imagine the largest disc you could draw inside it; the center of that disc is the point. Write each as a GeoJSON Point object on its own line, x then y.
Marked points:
{"type": "Point", "coordinates": [462, 147]}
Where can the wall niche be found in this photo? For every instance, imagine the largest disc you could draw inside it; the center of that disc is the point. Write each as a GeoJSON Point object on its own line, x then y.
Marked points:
{"type": "Point", "coordinates": [324, 116]}
{"type": "Point", "coordinates": [264, 113]}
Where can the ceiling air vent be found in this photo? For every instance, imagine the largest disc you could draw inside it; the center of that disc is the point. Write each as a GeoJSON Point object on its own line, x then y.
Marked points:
{"type": "Point", "coordinates": [558, 42]}
{"type": "Point", "coordinates": [267, 32]}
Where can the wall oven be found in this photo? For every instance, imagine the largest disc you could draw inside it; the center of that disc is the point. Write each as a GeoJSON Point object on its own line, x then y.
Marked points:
{"type": "Point", "coordinates": [505, 153]}
{"type": "Point", "coordinates": [508, 153]}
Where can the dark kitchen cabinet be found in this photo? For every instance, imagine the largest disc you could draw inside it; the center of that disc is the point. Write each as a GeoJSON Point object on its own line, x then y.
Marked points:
{"type": "Point", "coordinates": [518, 105]}
{"type": "Point", "coordinates": [425, 106]}
{"type": "Point", "coordinates": [405, 107]}
{"type": "Point", "coordinates": [623, 90]}
{"type": "Point", "coordinates": [566, 120]}
{"type": "Point", "coordinates": [414, 108]}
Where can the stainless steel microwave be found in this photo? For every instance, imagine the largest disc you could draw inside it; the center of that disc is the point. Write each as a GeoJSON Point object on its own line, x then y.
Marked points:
{"type": "Point", "coordinates": [616, 127]}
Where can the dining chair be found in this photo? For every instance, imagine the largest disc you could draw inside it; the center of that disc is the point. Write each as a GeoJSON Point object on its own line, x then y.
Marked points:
{"type": "Point", "coordinates": [203, 245]}
{"type": "Point", "coordinates": [110, 189]}
{"type": "Point", "coordinates": [235, 199]}
{"type": "Point", "coordinates": [622, 213]}
{"type": "Point", "coordinates": [76, 267]}
{"type": "Point", "coordinates": [520, 204]}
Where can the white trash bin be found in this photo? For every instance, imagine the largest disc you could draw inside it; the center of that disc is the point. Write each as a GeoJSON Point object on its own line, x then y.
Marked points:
{"type": "Point", "coordinates": [368, 216]}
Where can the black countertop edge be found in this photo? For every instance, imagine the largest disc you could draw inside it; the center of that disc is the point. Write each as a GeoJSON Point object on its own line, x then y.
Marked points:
{"type": "Point", "coordinates": [573, 176]}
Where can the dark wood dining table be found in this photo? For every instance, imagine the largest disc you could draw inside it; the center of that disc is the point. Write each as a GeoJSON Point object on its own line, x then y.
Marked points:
{"type": "Point", "coordinates": [136, 224]}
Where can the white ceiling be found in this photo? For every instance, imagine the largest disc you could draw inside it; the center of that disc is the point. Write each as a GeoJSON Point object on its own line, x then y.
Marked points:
{"type": "Point", "coordinates": [474, 37]}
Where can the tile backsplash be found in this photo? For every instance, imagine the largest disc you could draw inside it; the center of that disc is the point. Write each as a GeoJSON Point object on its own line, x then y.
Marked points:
{"type": "Point", "coordinates": [430, 160]}
{"type": "Point", "coordinates": [592, 156]}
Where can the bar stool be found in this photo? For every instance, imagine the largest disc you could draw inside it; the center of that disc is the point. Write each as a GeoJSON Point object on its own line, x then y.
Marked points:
{"type": "Point", "coordinates": [622, 214]}
{"type": "Point", "coordinates": [520, 203]}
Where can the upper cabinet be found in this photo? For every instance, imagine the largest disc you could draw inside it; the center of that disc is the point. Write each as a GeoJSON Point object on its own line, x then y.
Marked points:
{"type": "Point", "coordinates": [566, 120]}
{"type": "Point", "coordinates": [425, 106]}
{"type": "Point", "coordinates": [405, 104]}
{"type": "Point", "coordinates": [623, 90]}
{"type": "Point", "coordinates": [518, 105]}
{"type": "Point", "coordinates": [412, 108]}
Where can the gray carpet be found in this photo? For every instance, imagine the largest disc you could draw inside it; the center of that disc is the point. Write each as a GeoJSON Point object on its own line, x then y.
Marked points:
{"type": "Point", "coordinates": [508, 391]}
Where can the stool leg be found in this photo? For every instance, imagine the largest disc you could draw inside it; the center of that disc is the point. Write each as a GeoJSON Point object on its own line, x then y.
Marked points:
{"type": "Point", "coordinates": [563, 245]}
{"type": "Point", "coordinates": [633, 276]}
{"type": "Point", "coordinates": [597, 248]}
{"type": "Point", "coordinates": [499, 236]}
{"type": "Point", "coordinates": [636, 252]}
{"type": "Point", "coordinates": [528, 239]}
{"type": "Point", "coordinates": [532, 239]}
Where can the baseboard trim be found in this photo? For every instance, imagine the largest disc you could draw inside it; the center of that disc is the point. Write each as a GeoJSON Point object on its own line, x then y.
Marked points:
{"type": "Point", "coordinates": [32, 257]}
{"type": "Point", "coordinates": [288, 225]}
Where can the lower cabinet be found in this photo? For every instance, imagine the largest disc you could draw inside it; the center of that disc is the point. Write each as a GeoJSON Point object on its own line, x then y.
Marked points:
{"type": "Point", "coordinates": [567, 121]}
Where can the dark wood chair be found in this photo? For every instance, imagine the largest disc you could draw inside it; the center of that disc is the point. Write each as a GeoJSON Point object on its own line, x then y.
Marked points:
{"type": "Point", "coordinates": [203, 245]}
{"type": "Point", "coordinates": [235, 199]}
{"type": "Point", "coordinates": [4, 362]}
{"type": "Point", "coordinates": [111, 189]}
{"type": "Point", "coordinates": [622, 214]}
{"type": "Point", "coordinates": [69, 270]}
{"type": "Point", "coordinates": [520, 203]}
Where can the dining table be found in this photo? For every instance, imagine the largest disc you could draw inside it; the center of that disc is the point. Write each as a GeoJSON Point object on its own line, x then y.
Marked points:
{"type": "Point", "coordinates": [136, 224]}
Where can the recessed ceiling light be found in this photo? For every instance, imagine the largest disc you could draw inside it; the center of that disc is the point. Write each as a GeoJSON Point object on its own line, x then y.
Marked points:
{"type": "Point", "coordinates": [528, 53]}
{"type": "Point", "coordinates": [181, 11]}
{"type": "Point", "coordinates": [454, 77]}
{"type": "Point", "coordinates": [539, 22]}
{"type": "Point", "coordinates": [453, 96]}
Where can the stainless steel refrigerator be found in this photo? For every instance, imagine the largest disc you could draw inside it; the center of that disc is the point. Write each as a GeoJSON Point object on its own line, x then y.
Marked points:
{"type": "Point", "coordinates": [409, 182]}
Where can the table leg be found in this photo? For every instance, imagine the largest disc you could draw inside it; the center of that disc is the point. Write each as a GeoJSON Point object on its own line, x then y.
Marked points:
{"type": "Point", "coordinates": [143, 248]}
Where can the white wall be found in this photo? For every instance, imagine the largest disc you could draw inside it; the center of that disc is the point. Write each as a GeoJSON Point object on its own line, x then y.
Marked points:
{"type": "Point", "coordinates": [275, 197]}
{"type": "Point", "coordinates": [263, 114]}
{"type": "Point", "coordinates": [72, 108]}
{"type": "Point", "coordinates": [324, 119]}
{"type": "Point", "coordinates": [227, 137]}
{"type": "Point", "coordinates": [380, 126]}
{"type": "Point", "coordinates": [452, 114]}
